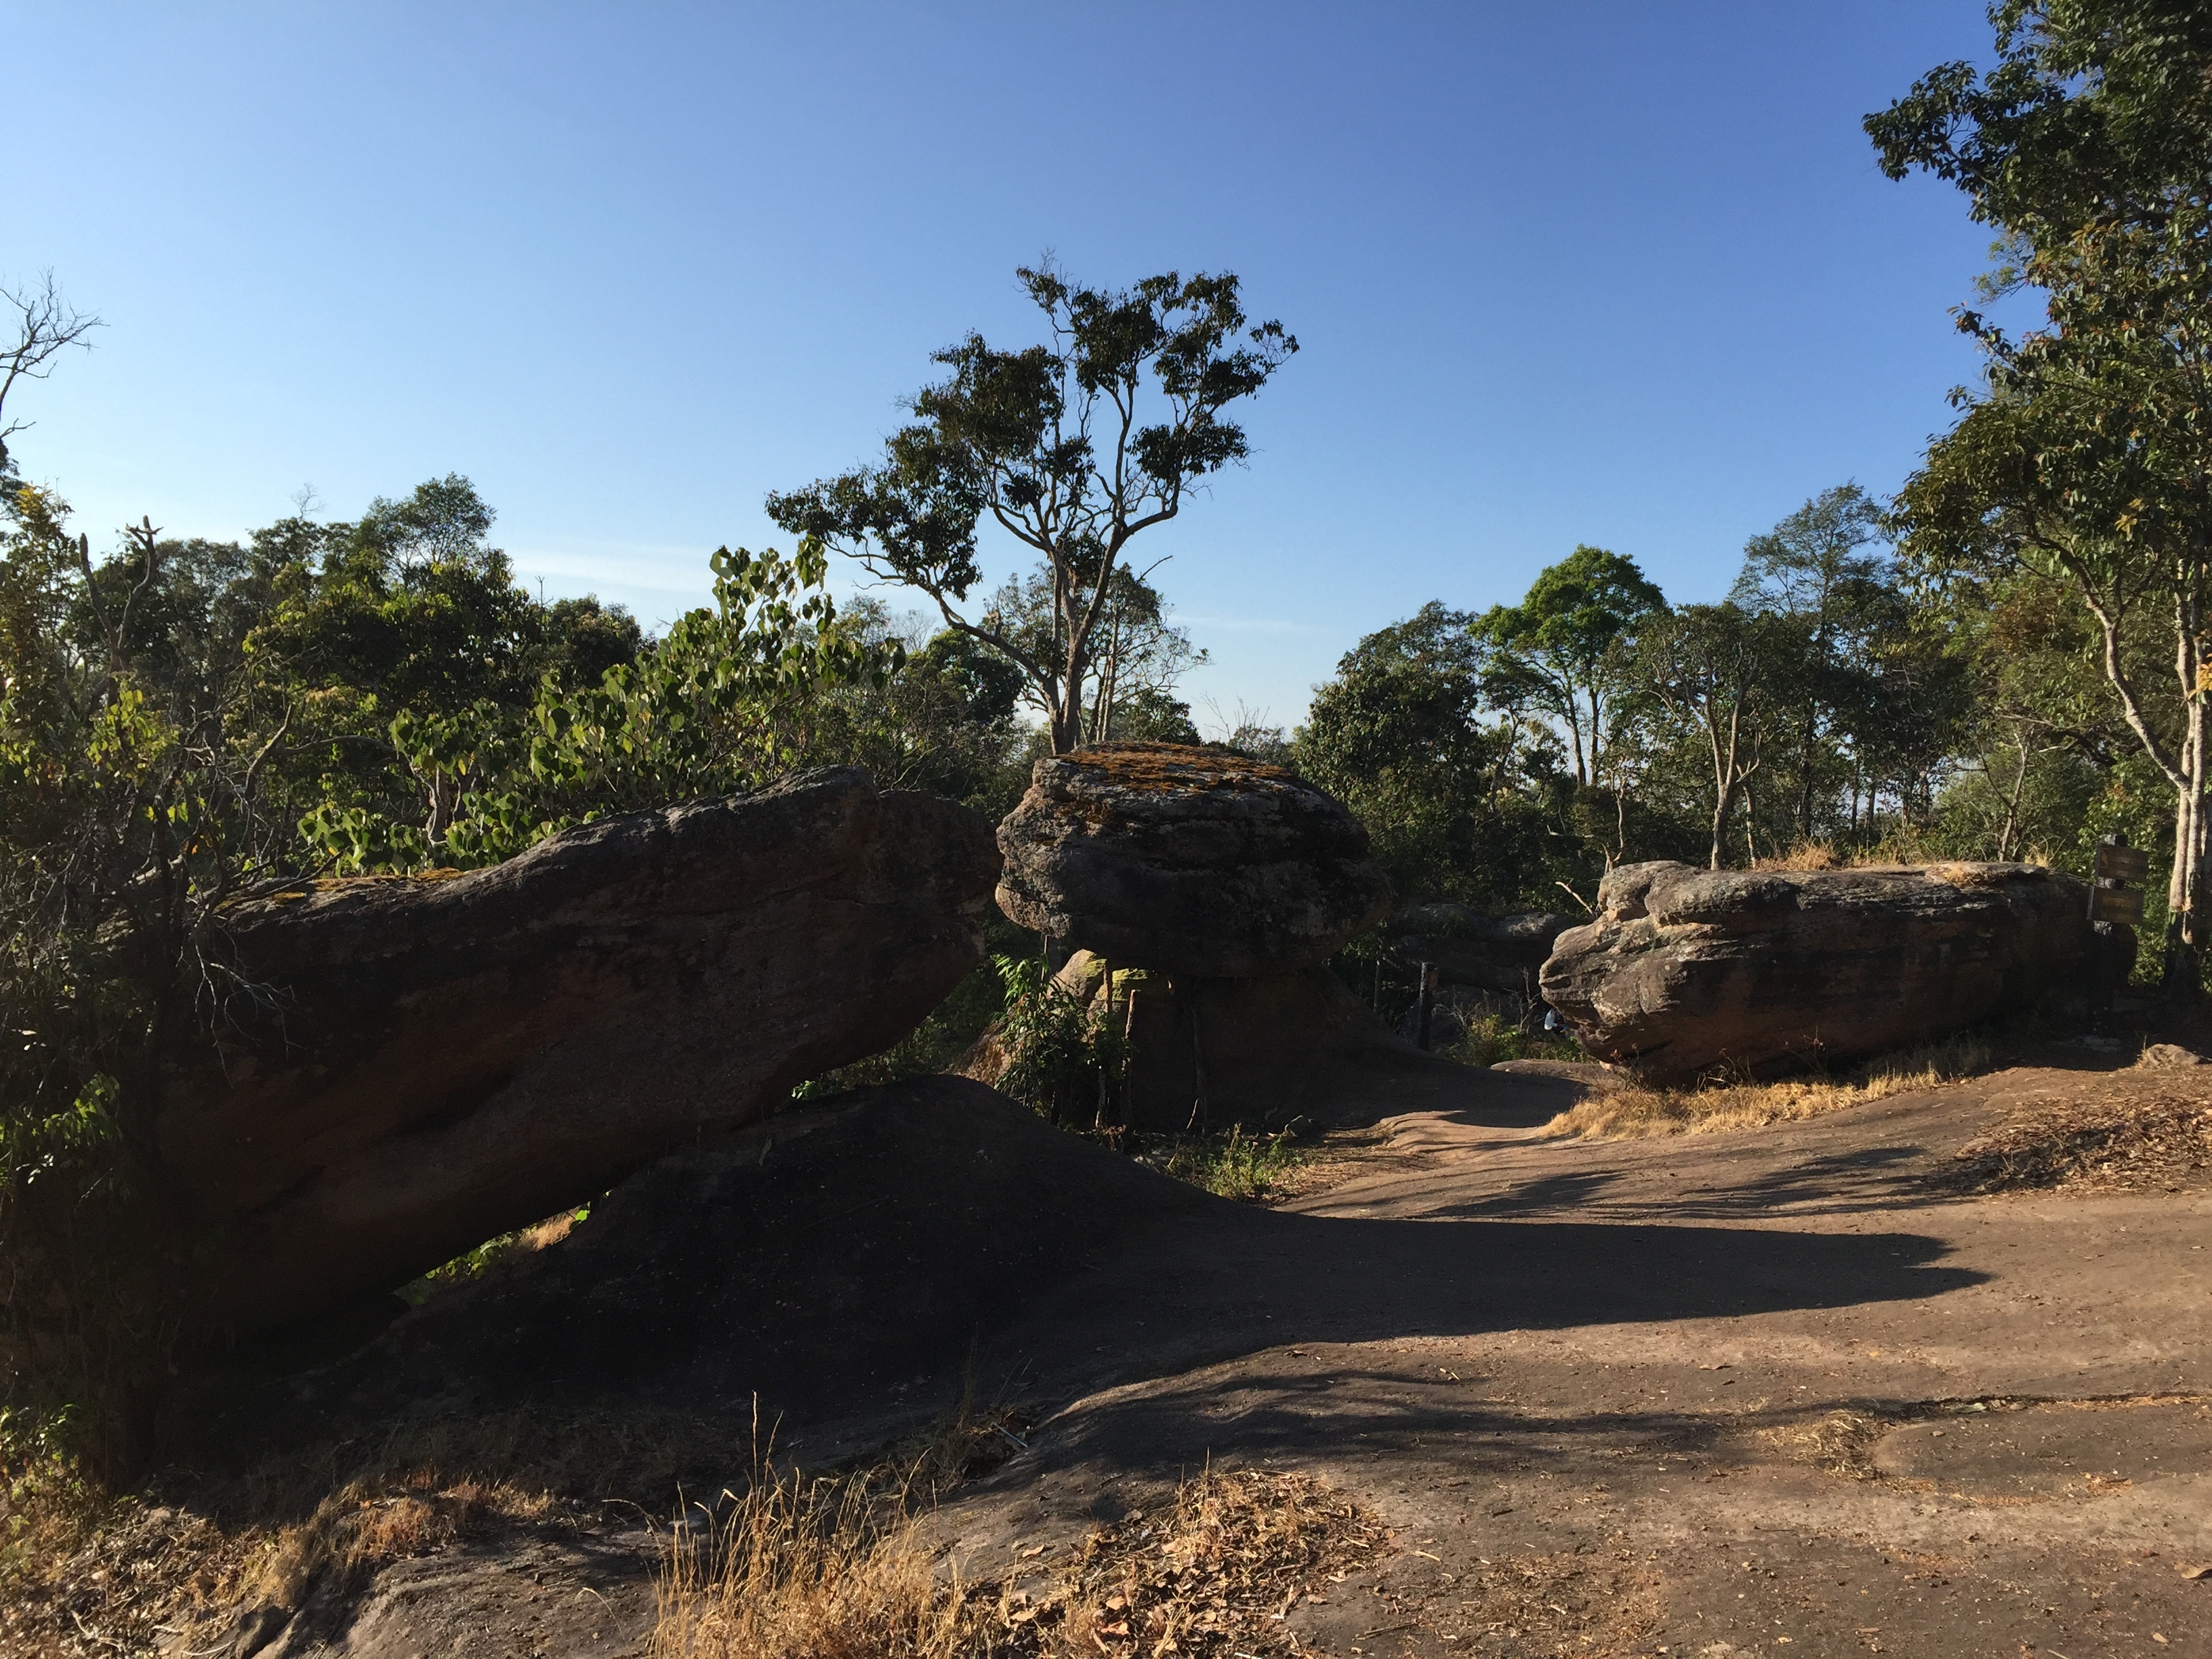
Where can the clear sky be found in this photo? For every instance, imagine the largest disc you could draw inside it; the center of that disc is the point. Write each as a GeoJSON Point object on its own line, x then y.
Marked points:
{"type": "Point", "coordinates": [1620, 273]}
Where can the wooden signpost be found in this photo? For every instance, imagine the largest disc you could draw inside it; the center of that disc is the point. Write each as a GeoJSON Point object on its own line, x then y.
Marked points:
{"type": "Point", "coordinates": [2111, 899]}
{"type": "Point", "coordinates": [2118, 861]}
{"type": "Point", "coordinates": [2124, 905]}
{"type": "Point", "coordinates": [2113, 902]}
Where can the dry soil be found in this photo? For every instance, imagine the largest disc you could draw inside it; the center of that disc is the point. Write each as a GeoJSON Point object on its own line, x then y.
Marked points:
{"type": "Point", "coordinates": [1784, 1391]}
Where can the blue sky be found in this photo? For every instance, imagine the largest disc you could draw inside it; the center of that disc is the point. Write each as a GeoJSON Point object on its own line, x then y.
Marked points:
{"type": "Point", "coordinates": [1617, 273]}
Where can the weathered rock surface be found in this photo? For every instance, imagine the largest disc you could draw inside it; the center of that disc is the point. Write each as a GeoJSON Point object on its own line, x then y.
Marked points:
{"type": "Point", "coordinates": [1687, 972]}
{"type": "Point", "coordinates": [1188, 861]}
{"type": "Point", "coordinates": [1491, 953]}
{"type": "Point", "coordinates": [814, 1262]}
{"type": "Point", "coordinates": [431, 1062]}
{"type": "Point", "coordinates": [1260, 1050]}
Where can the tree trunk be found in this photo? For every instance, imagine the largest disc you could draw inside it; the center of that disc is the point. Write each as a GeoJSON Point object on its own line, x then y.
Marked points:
{"type": "Point", "coordinates": [1805, 799]}
{"type": "Point", "coordinates": [1726, 778]}
{"type": "Point", "coordinates": [1596, 720]}
{"type": "Point", "coordinates": [2012, 804]}
{"type": "Point", "coordinates": [2182, 979]}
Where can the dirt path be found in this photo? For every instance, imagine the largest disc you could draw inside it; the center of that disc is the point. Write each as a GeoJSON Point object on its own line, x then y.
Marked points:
{"type": "Point", "coordinates": [1758, 1392]}
{"type": "Point", "coordinates": [1767, 1391]}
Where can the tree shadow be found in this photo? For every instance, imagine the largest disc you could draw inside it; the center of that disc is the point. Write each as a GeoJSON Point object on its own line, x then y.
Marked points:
{"type": "Point", "coordinates": [1190, 1420]}
{"type": "Point", "coordinates": [1855, 1181]}
{"type": "Point", "coordinates": [869, 1257]}
{"type": "Point", "coordinates": [1263, 1278]}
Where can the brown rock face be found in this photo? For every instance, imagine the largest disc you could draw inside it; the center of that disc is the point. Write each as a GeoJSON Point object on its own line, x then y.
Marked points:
{"type": "Point", "coordinates": [1187, 861]}
{"type": "Point", "coordinates": [1687, 972]}
{"type": "Point", "coordinates": [1261, 1050]}
{"type": "Point", "coordinates": [432, 1063]}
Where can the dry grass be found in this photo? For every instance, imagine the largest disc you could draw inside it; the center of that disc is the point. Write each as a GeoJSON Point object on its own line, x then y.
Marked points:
{"type": "Point", "coordinates": [1839, 1443]}
{"type": "Point", "coordinates": [844, 1570]}
{"type": "Point", "coordinates": [119, 1584]}
{"type": "Point", "coordinates": [1805, 855]}
{"type": "Point", "coordinates": [368, 1524]}
{"type": "Point", "coordinates": [1629, 1113]}
{"type": "Point", "coordinates": [81, 1572]}
{"type": "Point", "coordinates": [809, 1569]}
{"type": "Point", "coordinates": [1159, 767]}
{"type": "Point", "coordinates": [2126, 1145]}
{"type": "Point", "coordinates": [1887, 854]}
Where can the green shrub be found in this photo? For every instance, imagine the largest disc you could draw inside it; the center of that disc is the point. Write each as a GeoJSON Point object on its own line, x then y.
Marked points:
{"type": "Point", "coordinates": [1061, 1056]}
{"type": "Point", "coordinates": [931, 1047]}
{"type": "Point", "coordinates": [1248, 1168]}
{"type": "Point", "coordinates": [1491, 1037]}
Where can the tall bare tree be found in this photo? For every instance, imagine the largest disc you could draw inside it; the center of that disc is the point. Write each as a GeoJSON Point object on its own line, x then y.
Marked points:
{"type": "Point", "coordinates": [46, 326]}
{"type": "Point", "coordinates": [1071, 448]}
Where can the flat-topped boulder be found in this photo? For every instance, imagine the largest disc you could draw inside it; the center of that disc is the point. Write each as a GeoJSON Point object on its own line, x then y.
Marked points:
{"type": "Point", "coordinates": [1187, 861]}
{"type": "Point", "coordinates": [1687, 972]}
{"type": "Point", "coordinates": [421, 1064]}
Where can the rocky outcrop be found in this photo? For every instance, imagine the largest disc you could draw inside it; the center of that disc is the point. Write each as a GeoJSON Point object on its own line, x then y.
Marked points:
{"type": "Point", "coordinates": [1257, 1052]}
{"type": "Point", "coordinates": [1188, 861]}
{"type": "Point", "coordinates": [1687, 972]}
{"type": "Point", "coordinates": [410, 1066]}
{"type": "Point", "coordinates": [1225, 884]}
{"type": "Point", "coordinates": [1491, 953]}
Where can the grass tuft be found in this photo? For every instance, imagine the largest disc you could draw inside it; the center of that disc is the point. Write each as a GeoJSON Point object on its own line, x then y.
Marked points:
{"type": "Point", "coordinates": [800, 1569]}
{"type": "Point", "coordinates": [508, 1247]}
{"type": "Point", "coordinates": [1251, 1169]}
{"type": "Point", "coordinates": [1629, 1113]}
{"type": "Point", "coordinates": [844, 1569]}
{"type": "Point", "coordinates": [368, 1524]}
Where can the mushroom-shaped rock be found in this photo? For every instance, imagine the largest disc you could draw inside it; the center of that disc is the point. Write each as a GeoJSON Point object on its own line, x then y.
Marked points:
{"type": "Point", "coordinates": [421, 1064]}
{"type": "Point", "coordinates": [1687, 972]}
{"type": "Point", "coordinates": [1187, 861]}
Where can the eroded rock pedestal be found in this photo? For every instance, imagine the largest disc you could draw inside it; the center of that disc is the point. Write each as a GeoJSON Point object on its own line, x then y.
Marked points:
{"type": "Point", "coordinates": [411, 1067]}
{"type": "Point", "coordinates": [1230, 883]}
{"type": "Point", "coordinates": [1687, 972]}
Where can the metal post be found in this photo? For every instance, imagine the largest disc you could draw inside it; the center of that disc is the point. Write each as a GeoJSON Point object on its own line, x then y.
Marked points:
{"type": "Point", "coordinates": [1129, 1059]}
{"type": "Point", "coordinates": [1428, 1001]}
{"type": "Point", "coordinates": [1103, 1018]}
{"type": "Point", "coordinates": [2113, 903]}
{"type": "Point", "coordinates": [1201, 1117]}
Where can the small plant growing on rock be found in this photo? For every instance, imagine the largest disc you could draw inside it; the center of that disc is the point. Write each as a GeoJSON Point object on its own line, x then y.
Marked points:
{"type": "Point", "coordinates": [1058, 1052]}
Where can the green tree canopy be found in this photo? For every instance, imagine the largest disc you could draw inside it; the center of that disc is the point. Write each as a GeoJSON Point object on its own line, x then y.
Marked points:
{"type": "Point", "coordinates": [1072, 448]}
{"type": "Point", "coordinates": [1399, 735]}
{"type": "Point", "coordinates": [1551, 651]}
{"type": "Point", "coordinates": [2088, 453]}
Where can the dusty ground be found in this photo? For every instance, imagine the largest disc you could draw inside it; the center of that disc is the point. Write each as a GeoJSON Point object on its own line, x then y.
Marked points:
{"type": "Point", "coordinates": [1777, 1391]}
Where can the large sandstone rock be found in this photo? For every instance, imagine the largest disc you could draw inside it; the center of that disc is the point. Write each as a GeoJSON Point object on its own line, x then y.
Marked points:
{"type": "Point", "coordinates": [1491, 953]}
{"type": "Point", "coordinates": [1689, 972]}
{"type": "Point", "coordinates": [1261, 1051]}
{"type": "Point", "coordinates": [1190, 861]}
{"type": "Point", "coordinates": [427, 1063]}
